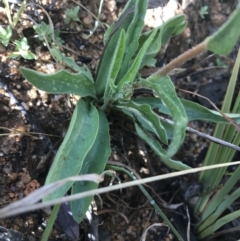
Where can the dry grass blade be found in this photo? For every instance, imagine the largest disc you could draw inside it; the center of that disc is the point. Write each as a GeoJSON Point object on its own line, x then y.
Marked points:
{"type": "Point", "coordinates": [16, 131]}
{"type": "Point", "coordinates": [23, 205]}
{"type": "Point", "coordinates": [211, 138]}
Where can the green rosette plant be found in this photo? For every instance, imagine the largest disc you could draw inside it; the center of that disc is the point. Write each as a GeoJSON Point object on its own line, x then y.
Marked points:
{"type": "Point", "coordinates": [86, 146]}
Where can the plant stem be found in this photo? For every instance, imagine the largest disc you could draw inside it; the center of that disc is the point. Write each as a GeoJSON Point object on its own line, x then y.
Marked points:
{"type": "Point", "coordinates": [114, 166]}
{"type": "Point", "coordinates": [8, 12]}
{"type": "Point", "coordinates": [183, 58]}
{"type": "Point", "coordinates": [51, 222]}
{"type": "Point", "coordinates": [18, 15]}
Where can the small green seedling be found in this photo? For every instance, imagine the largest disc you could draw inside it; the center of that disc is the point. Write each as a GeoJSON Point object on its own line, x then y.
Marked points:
{"type": "Point", "coordinates": [23, 49]}
{"type": "Point", "coordinates": [47, 33]}
{"type": "Point", "coordinates": [22, 46]}
{"type": "Point", "coordinates": [71, 16]}
{"type": "Point", "coordinates": [203, 11]}
{"type": "Point", "coordinates": [5, 35]}
{"type": "Point", "coordinates": [221, 63]}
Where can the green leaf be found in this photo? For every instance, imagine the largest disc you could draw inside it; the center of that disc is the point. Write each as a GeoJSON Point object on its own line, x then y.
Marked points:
{"type": "Point", "coordinates": [133, 34]}
{"type": "Point", "coordinates": [226, 201]}
{"type": "Point", "coordinates": [115, 66]}
{"type": "Point", "coordinates": [80, 138]}
{"type": "Point", "coordinates": [203, 11]}
{"type": "Point", "coordinates": [27, 55]}
{"type": "Point", "coordinates": [43, 30]}
{"type": "Point", "coordinates": [193, 110]}
{"type": "Point", "coordinates": [223, 41]}
{"type": "Point", "coordinates": [133, 70]}
{"type": "Point", "coordinates": [170, 28]}
{"type": "Point", "coordinates": [111, 38]}
{"type": "Point", "coordinates": [76, 10]}
{"type": "Point", "coordinates": [94, 162]}
{"type": "Point", "coordinates": [57, 39]}
{"type": "Point", "coordinates": [173, 27]}
{"type": "Point", "coordinates": [5, 35]}
{"type": "Point", "coordinates": [56, 53]}
{"type": "Point", "coordinates": [144, 114]}
{"type": "Point", "coordinates": [217, 154]}
{"type": "Point", "coordinates": [164, 89]}
{"type": "Point", "coordinates": [61, 82]}
{"type": "Point", "coordinates": [70, 62]}
{"type": "Point", "coordinates": [23, 49]}
{"type": "Point", "coordinates": [158, 150]}
{"type": "Point", "coordinates": [72, 15]}
{"type": "Point", "coordinates": [219, 223]}
{"type": "Point", "coordinates": [22, 44]}
{"type": "Point", "coordinates": [124, 24]}
{"type": "Point", "coordinates": [118, 56]}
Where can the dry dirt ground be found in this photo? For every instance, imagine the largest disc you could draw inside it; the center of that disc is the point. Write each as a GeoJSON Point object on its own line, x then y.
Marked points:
{"type": "Point", "coordinates": [25, 157]}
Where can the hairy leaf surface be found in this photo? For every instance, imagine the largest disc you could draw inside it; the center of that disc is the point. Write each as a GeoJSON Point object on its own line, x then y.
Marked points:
{"type": "Point", "coordinates": [163, 88]}
{"type": "Point", "coordinates": [146, 117]}
{"type": "Point", "coordinates": [61, 82]}
{"type": "Point", "coordinates": [80, 138]}
{"type": "Point", "coordinates": [193, 110]}
{"type": "Point", "coordinates": [133, 34]}
{"type": "Point", "coordinates": [115, 66]}
{"type": "Point", "coordinates": [129, 77]}
{"type": "Point", "coordinates": [223, 41]}
{"type": "Point", "coordinates": [94, 162]}
{"type": "Point", "coordinates": [156, 147]}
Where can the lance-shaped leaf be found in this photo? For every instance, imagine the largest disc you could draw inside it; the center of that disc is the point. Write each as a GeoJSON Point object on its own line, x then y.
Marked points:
{"type": "Point", "coordinates": [223, 41]}
{"type": "Point", "coordinates": [158, 150]}
{"type": "Point", "coordinates": [94, 162]}
{"type": "Point", "coordinates": [61, 82]}
{"type": "Point", "coordinates": [170, 28]}
{"type": "Point", "coordinates": [133, 34]}
{"type": "Point", "coordinates": [193, 110]}
{"type": "Point", "coordinates": [112, 37]}
{"type": "Point", "coordinates": [115, 65]}
{"type": "Point", "coordinates": [219, 223]}
{"type": "Point", "coordinates": [165, 90]}
{"type": "Point", "coordinates": [68, 61]}
{"type": "Point", "coordinates": [77, 143]}
{"type": "Point", "coordinates": [133, 70]}
{"type": "Point", "coordinates": [226, 201]}
{"type": "Point", "coordinates": [121, 20]}
{"type": "Point", "coordinates": [144, 114]}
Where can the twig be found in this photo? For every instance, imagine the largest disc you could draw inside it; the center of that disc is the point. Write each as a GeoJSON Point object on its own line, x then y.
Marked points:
{"type": "Point", "coordinates": [211, 138]}
{"type": "Point", "coordinates": [215, 107]}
